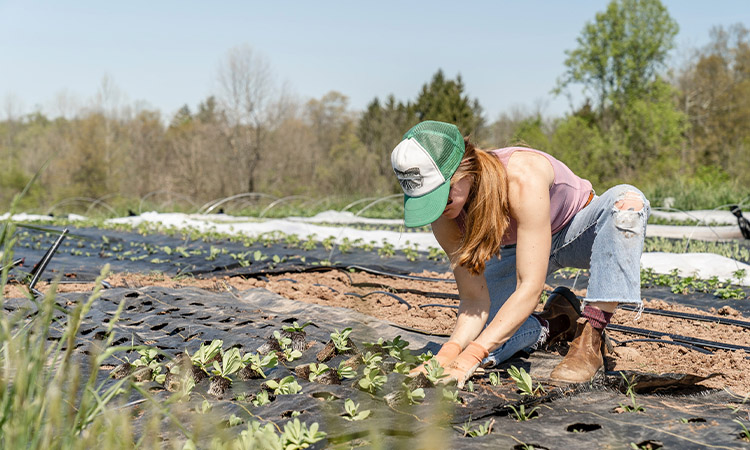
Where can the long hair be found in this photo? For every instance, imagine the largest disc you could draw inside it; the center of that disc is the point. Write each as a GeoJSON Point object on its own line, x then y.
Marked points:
{"type": "Point", "coordinates": [487, 207]}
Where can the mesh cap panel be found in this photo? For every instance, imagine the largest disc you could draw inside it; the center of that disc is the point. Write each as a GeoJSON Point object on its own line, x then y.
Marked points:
{"type": "Point", "coordinates": [442, 141]}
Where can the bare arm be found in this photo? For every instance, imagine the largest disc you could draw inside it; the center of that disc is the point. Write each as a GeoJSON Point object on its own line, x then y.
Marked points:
{"type": "Point", "coordinates": [472, 289]}
{"type": "Point", "coordinates": [528, 189]}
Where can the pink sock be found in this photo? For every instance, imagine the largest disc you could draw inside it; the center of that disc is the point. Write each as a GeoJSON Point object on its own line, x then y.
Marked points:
{"type": "Point", "coordinates": [597, 318]}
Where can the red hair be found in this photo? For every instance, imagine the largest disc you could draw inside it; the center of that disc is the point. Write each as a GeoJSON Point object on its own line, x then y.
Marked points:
{"type": "Point", "coordinates": [487, 207]}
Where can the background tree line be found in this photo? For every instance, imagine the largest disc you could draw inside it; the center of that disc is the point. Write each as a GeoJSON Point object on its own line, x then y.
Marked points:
{"type": "Point", "coordinates": [674, 131]}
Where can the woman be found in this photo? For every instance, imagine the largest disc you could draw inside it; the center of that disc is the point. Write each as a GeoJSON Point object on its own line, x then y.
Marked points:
{"type": "Point", "coordinates": [507, 218]}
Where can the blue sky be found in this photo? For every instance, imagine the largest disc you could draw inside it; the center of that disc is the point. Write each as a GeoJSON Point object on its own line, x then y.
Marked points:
{"type": "Point", "coordinates": [164, 54]}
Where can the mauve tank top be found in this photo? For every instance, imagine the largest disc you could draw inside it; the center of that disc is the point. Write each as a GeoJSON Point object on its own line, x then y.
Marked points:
{"type": "Point", "coordinates": [567, 195]}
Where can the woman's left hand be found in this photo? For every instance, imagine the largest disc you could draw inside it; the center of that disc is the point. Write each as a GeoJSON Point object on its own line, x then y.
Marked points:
{"type": "Point", "coordinates": [463, 367]}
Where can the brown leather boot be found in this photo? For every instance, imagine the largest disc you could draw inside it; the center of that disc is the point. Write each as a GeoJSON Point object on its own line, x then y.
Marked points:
{"type": "Point", "coordinates": [562, 307]}
{"type": "Point", "coordinates": [584, 359]}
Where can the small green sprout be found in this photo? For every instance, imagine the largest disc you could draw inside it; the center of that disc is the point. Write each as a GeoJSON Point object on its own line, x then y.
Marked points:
{"type": "Point", "coordinates": [345, 372]}
{"type": "Point", "coordinates": [316, 370]}
{"type": "Point", "coordinates": [297, 435]}
{"type": "Point", "coordinates": [287, 385]}
{"type": "Point", "coordinates": [341, 339]}
{"type": "Point", "coordinates": [352, 411]}
{"type": "Point", "coordinates": [434, 371]}
{"type": "Point", "coordinates": [480, 430]}
{"type": "Point", "coordinates": [522, 415]}
{"type": "Point", "coordinates": [372, 380]}
{"type": "Point", "coordinates": [371, 359]}
{"type": "Point", "coordinates": [257, 364]}
{"type": "Point", "coordinates": [295, 327]}
{"type": "Point", "coordinates": [523, 381]}
{"type": "Point", "coordinates": [634, 406]}
{"type": "Point", "coordinates": [261, 398]}
{"type": "Point", "coordinates": [231, 362]}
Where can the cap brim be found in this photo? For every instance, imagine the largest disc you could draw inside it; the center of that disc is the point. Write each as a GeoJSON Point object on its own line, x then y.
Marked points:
{"type": "Point", "coordinates": [423, 210]}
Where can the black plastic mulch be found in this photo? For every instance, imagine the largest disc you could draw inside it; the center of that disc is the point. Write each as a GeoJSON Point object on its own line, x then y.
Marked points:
{"type": "Point", "coordinates": [573, 417]}
{"type": "Point", "coordinates": [86, 250]}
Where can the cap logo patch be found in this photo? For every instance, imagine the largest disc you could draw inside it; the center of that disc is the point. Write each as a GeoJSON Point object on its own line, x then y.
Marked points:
{"type": "Point", "coordinates": [410, 179]}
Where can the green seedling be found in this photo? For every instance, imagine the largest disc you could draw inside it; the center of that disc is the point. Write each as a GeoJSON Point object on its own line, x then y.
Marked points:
{"type": "Point", "coordinates": [745, 432]}
{"type": "Point", "coordinates": [634, 406]}
{"type": "Point", "coordinates": [387, 250]}
{"type": "Point", "coordinates": [403, 367]}
{"type": "Point", "coordinates": [213, 253]}
{"type": "Point", "coordinates": [397, 348]}
{"type": "Point", "coordinates": [480, 430]}
{"type": "Point", "coordinates": [261, 398]}
{"type": "Point", "coordinates": [287, 385]}
{"type": "Point", "coordinates": [414, 396]}
{"type": "Point", "coordinates": [204, 407]}
{"type": "Point", "coordinates": [353, 413]}
{"type": "Point", "coordinates": [341, 339]}
{"type": "Point", "coordinates": [434, 371]}
{"type": "Point", "coordinates": [259, 256]}
{"type": "Point", "coordinates": [451, 396]}
{"type": "Point", "coordinates": [522, 415]}
{"type": "Point", "coordinates": [317, 370]}
{"type": "Point", "coordinates": [494, 378]}
{"type": "Point", "coordinates": [231, 362]}
{"type": "Point", "coordinates": [524, 382]}
{"type": "Point", "coordinates": [345, 372]}
{"type": "Point", "coordinates": [424, 357]}
{"type": "Point", "coordinates": [292, 240]}
{"type": "Point", "coordinates": [345, 246]}
{"type": "Point", "coordinates": [297, 435]}
{"type": "Point", "coordinates": [373, 380]}
{"type": "Point", "coordinates": [234, 421]}
{"type": "Point", "coordinates": [410, 254]}
{"type": "Point", "coordinates": [295, 327]}
{"type": "Point", "coordinates": [328, 243]}
{"type": "Point", "coordinates": [148, 359]}
{"type": "Point", "coordinates": [371, 359]}
{"type": "Point", "coordinates": [285, 342]}
{"type": "Point", "coordinates": [469, 386]}
{"type": "Point", "coordinates": [436, 254]}
{"type": "Point", "coordinates": [254, 361]}
{"type": "Point", "coordinates": [206, 353]}
{"type": "Point", "coordinates": [257, 436]}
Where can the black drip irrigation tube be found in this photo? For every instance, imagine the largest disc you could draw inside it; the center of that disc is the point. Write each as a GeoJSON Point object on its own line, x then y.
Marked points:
{"type": "Point", "coordinates": [396, 275]}
{"type": "Point", "coordinates": [690, 316]}
{"type": "Point", "coordinates": [658, 335]}
{"type": "Point", "coordinates": [662, 341]}
{"type": "Point", "coordinates": [389, 294]}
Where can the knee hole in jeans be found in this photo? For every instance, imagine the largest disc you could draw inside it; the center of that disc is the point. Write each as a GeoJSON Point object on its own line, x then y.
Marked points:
{"type": "Point", "coordinates": [630, 201]}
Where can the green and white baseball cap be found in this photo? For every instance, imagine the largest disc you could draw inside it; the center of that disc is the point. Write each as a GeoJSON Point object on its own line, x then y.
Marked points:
{"type": "Point", "coordinates": [424, 163]}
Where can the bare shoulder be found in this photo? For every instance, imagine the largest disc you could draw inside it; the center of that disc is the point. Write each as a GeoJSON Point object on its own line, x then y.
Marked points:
{"type": "Point", "coordinates": [530, 176]}
{"type": "Point", "coordinates": [524, 167]}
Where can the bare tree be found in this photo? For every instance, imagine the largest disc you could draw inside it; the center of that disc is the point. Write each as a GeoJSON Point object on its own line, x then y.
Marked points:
{"type": "Point", "coordinates": [252, 106]}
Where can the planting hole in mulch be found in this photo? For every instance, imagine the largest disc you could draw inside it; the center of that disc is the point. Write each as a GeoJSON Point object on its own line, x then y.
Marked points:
{"type": "Point", "coordinates": [583, 427]}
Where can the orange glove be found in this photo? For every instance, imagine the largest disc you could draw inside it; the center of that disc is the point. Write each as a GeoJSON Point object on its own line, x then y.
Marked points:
{"type": "Point", "coordinates": [448, 352]}
{"type": "Point", "coordinates": [463, 367]}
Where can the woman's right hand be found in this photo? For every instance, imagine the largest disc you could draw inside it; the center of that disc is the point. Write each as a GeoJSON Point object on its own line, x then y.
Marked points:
{"type": "Point", "coordinates": [448, 352]}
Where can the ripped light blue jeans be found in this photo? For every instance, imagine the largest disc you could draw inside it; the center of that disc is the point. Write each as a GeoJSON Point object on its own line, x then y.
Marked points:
{"type": "Point", "coordinates": [602, 238]}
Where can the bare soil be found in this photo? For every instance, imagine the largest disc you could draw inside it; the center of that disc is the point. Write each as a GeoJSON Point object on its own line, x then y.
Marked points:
{"type": "Point", "coordinates": [335, 288]}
